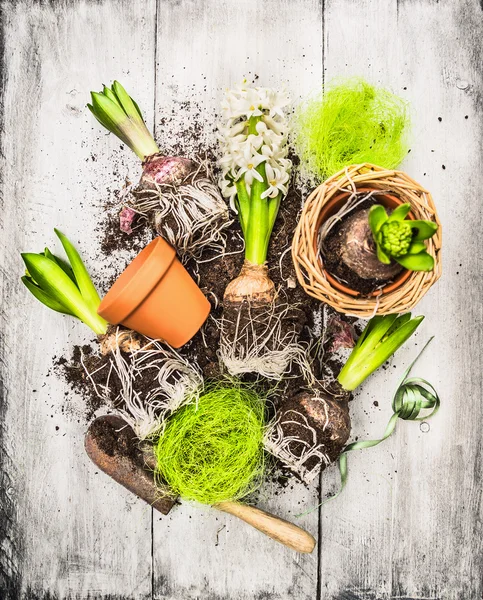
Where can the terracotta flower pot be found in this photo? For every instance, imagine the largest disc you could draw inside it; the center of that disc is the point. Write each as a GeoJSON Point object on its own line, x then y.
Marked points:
{"type": "Point", "coordinates": [156, 296]}
{"type": "Point", "coordinates": [332, 207]}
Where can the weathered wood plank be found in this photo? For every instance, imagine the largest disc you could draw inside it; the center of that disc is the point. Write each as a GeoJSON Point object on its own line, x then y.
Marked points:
{"type": "Point", "coordinates": [437, 526]}
{"type": "Point", "coordinates": [409, 523]}
{"type": "Point", "coordinates": [202, 48]}
{"type": "Point", "coordinates": [77, 533]}
{"type": "Point", "coordinates": [355, 559]}
{"type": "Point", "coordinates": [9, 528]}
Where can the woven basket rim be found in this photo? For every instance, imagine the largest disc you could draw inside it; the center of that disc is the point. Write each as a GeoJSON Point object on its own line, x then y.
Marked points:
{"type": "Point", "coordinates": [309, 270]}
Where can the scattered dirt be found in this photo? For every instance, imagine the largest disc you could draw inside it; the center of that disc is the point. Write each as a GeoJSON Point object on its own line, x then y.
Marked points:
{"type": "Point", "coordinates": [115, 442]}
{"type": "Point", "coordinates": [112, 239]}
{"type": "Point", "coordinates": [93, 389]}
{"type": "Point", "coordinates": [212, 274]}
{"type": "Point", "coordinates": [73, 370]}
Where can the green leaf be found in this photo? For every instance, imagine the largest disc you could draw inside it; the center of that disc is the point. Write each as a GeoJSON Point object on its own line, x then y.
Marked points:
{"type": "Point", "coordinates": [58, 286]}
{"type": "Point", "coordinates": [380, 325]}
{"type": "Point", "coordinates": [399, 213]}
{"type": "Point", "coordinates": [45, 298]}
{"type": "Point", "coordinates": [399, 322]}
{"type": "Point", "coordinates": [118, 113]}
{"type": "Point", "coordinates": [393, 342]}
{"type": "Point", "coordinates": [109, 114]}
{"type": "Point", "coordinates": [370, 358]}
{"type": "Point", "coordinates": [108, 93]}
{"type": "Point", "coordinates": [417, 262]}
{"type": "Point", "coordinates": [377, 217]}
{"type": "Point", "coordinates": [381, 255]}
{"type": "Point", "coordinates": [55, 283]}
{"type": "Point", "coordinates": [131, 110]}
{"type": "Point", "coordinates": [426, 229]}
{"type": "Point", "coordinates": [82, 277]}
{"type": "Point", "coordinates": [138, 109]}
{"type": "Point", "coordinates": [257, 229]}
{"type": "Point", "coordinates": [93, 111]}
{"type": "Point", "coordinates": [416, 247]}
{"type": "Point", "coordinates": [371, 325]}
{"type": "Point", "coordinates": [243, 204]}
{"type": "Point", "coordinates": [373, 333]}
{"type": "Point", "coordinates": [62, 264]}
{"type": "Point", "coordinates": [273, 208]}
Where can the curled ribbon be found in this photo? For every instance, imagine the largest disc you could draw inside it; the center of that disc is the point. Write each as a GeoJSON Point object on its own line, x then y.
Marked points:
{"type": "Point", "coordinates": [412, 396]}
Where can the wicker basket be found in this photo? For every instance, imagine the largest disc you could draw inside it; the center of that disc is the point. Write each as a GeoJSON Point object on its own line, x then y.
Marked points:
{"type": "Point", "coordinates": [307, 261]}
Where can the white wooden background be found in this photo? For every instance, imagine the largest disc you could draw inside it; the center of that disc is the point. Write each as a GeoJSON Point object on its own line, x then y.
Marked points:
{"type": "Point", "coordinates": [409, 524]}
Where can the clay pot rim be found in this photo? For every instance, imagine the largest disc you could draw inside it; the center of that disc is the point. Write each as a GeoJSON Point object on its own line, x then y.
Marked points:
{"type": "Point", "coordinates": [137, 281]}
{"type": "Point", "coordinates": [398, 282]}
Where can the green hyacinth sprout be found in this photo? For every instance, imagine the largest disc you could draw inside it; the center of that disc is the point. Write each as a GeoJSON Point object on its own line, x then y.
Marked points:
{"type": "Point", "coordinates": [382, 336]}
{"type": "Point", "coordinates": [400, 239]}
{"type": "Point", "coordinates": [119, 113]}
{"type": "Point", "coordinates": [64, 287]}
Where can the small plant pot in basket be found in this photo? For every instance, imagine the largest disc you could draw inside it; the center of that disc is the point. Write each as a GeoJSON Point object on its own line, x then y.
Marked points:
{"type": "Point", "coordinates": [345, 271]}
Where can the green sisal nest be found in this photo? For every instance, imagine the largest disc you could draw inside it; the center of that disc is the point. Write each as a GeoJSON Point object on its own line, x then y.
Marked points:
{"type": "Point", "coordinates": [352, 122]}
{"type": "Point", "coordinates": [212, 451]}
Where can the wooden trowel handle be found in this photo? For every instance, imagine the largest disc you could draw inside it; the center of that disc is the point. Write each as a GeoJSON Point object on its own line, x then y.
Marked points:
{"type": "Point", "coordinates": [278, 529]}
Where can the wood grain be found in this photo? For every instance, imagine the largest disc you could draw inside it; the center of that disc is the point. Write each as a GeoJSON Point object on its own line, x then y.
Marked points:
{"type": "Point", "coordinates": [203, 47]}
{"type": "Point", "coordinates": [406, 527]}
{"type": "Point", "coordinates": [355, 558]}
{"type": "Point", "coordinates": [10, 546]}
{"type": "Point", "coordinates": [280, 530]}
{"type": "Point", "coordinates": [437, 527]}
{"type": "Point", "coordinates": [409, 524]}
{"type": "Point", "coordinates": [77, 533]}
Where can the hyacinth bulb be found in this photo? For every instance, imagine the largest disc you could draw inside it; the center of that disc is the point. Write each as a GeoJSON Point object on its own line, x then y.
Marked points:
{"type": "Point", "coordinates": [175, 194]}
{"type": "Point", "coordinates": [166, 170]}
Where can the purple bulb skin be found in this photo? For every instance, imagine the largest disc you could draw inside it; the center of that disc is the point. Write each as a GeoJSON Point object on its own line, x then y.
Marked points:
{"type": "Point", "coordinates": [166, 170]}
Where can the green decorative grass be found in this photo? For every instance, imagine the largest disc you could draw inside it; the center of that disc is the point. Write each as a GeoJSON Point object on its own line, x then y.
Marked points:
{"type": "Point", "coordinates": [212, 451]}
{"type": "Point", "coordinates": [351, 122]}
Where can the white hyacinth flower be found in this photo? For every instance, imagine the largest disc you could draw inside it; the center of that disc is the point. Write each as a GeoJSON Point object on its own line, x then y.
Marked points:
{"type": "Point", "coordinates": [276, 180]}
{"type": "Point", "coordinates": [253, 133]}
{"type": "Point", "coordinates": [248, 163]}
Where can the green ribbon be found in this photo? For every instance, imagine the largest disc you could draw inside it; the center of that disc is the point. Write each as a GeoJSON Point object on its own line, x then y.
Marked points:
{"type": "Point", "coordinates": [412, 396]}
